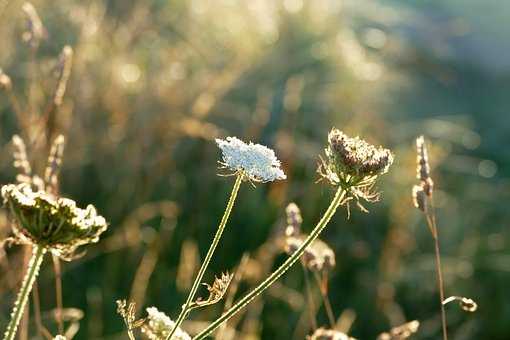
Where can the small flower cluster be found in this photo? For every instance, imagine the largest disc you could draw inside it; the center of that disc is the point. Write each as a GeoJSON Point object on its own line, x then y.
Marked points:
{"type": "Point", "coordinates": [159, 326]}
{"type": "Point", "coordinates": [55, 223]}
{"type": "Point", "coordinates": [328, 334]}
{"type": "Point", "coordinates": [257, 162]}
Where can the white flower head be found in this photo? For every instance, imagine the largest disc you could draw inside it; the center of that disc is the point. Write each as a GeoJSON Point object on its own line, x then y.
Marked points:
{"type": "Point", "coordinates": [159, 326]}
{"type": "Point", "coordinates": [257, 162]}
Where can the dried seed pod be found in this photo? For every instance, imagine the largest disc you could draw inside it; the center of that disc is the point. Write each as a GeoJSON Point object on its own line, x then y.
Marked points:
{"type": "Point", "coordinates": [419, 197]}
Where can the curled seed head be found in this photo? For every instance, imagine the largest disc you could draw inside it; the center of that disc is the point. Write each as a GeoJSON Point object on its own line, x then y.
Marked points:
{"type": "Point", "coordinates": [353, 159]}
{"type": "Point", "coordinates": [216, 292]}
{"type": "Point", "coordinates": [55, 223]}
{"type": "Point", "coordinates": [468, 305]}
{"type": "Point", "coordinates": [294, 220]}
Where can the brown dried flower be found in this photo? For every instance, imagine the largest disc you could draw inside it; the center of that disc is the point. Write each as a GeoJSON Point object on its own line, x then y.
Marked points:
{"type": "Point", "coordinates": [401, 332]}
{"type": "Point", "coordinates": [216, 291]}
{"type": "Point", "coordinates": [318, 256]}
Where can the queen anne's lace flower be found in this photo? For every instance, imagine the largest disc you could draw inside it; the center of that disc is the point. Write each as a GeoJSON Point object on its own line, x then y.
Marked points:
{"type": "Point", "coordinates": [257, 162]}
{"type": "Point", "coordinates": [48, 221]}
{"type": "Point", "coordinates": [158, 326]}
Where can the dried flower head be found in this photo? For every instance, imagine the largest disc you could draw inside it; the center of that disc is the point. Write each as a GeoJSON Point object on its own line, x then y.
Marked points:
{"type": "Point", "coordinates": [401, 332]}
{"type": "Point", "coordinates": [294, 220]}
{"type": "Point", "coordinates": [256, 162]}
{"type": "Point", "coordinates": [55, 223]}
{"type": "Point", "coordinates": [318, 256]}
{"type": "Point", "coordinates": [354, 165]}
{"type": "Point", "coordinates": [159, 326]}
{"type": "Point", "coordinates": [35, 30]}
{"type": "Point", "coordinates": [328, 334]}
{"type": "Point", "coordinates": [465, 303]}
{"type": "Point", "coordinates": [216, 291]}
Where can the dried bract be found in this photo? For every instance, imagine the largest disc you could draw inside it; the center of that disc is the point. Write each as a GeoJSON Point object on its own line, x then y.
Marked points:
{"type": "Point", "coordinates": [401, 332]}
{"type": "Point", "coordinates": [216, 291]}
{"type": "Point", "coordinates": [159, 326]}
{"type": "Point", "coordinates": [328, 334]}
{"type": "Point", "coordinates": [55, 223]}
{"type": "Point", "coordinates": [256, 162]}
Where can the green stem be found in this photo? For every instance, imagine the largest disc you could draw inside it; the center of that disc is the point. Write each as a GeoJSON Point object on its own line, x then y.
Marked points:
{"type": "Point", "coordinates": [24, 292]}
{"type": "Point", "coordinates": [186, 307]}
{"type": "Point", "coordinates": [337, 200]}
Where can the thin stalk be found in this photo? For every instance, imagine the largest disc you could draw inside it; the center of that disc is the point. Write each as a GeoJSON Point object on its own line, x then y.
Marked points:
{"type": "Point", "coordinates": [185, 308]}
{"type": "Point", "coordinates": [337, 200]}
{"type": "Point", "coordinates": [311, 309]}
{"type": "Point", "coordinates": [327, 303]}
{"type": "Point", "coordinates": [26, 287]}
{"type": "Point", "coordinates": [431, 221]}
{"type": "Point", "coordinates": [58, 293]}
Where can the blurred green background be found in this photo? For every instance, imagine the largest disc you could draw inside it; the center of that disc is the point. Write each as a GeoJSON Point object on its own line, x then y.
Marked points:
{"type": "Point", "coordinates": [154, 82]}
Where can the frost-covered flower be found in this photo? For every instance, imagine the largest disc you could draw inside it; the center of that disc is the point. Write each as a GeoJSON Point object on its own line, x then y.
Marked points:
{"type": "Point", "coordinates": [257, 162]}
{"type": "Point", "coordinates": [48, 221]}
{"type": "Point", "coordinates": [159, 326]}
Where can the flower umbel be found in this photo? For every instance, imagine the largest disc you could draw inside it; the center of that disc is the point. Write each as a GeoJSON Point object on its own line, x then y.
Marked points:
{"type": "Point", "coordinates": [354, 165]}
{"type": "Point", "coordinates": [328, 334]}
{"type": "Point", "coordinates": [158, 326]}
{"type": "Point", "coordinates": [51, 222]}
{"type": "Point", "coordinates": [257, 162]}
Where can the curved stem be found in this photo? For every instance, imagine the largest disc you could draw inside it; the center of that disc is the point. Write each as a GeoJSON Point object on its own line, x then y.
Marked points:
{"type": "Point", "coordinates": [185, 308]}
{"type": "Point", "coordinates": [337, 200]}
{"type": "Point", "coordinates": [24, 292]}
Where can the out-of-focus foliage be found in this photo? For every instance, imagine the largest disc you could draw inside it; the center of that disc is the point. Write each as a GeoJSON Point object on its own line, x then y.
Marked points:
{"type": "Point", "coordinates": [154, 82]}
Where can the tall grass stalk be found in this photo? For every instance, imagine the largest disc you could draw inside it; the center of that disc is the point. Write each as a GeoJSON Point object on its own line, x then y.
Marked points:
{"type": "Point", "coordinates": [186, 307]}
{"type": "Point", "coordinates": [24, 292]}
{"type": "Point", "coordinates": [337, 200]}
